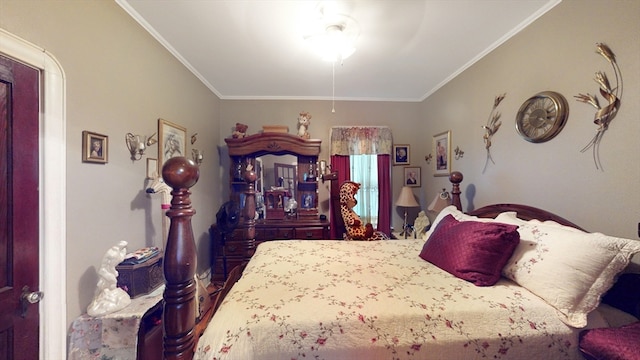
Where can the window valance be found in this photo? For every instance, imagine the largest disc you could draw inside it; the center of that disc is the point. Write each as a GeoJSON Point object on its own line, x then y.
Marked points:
{"type": "Point", "coordinates": [361, 140]}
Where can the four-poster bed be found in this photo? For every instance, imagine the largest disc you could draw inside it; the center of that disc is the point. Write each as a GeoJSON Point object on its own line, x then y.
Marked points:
{"type": "Point", "coordinates": [293, 269]}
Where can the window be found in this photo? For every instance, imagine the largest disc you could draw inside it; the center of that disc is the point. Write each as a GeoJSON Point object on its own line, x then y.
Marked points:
{"type": "Point", "coordinates": [364, 170]}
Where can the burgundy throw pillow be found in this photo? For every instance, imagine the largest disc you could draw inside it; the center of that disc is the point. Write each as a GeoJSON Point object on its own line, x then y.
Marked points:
{"type": "Point", "coordinates": [471, 250]}
{"type": "Point", "coordinates": [621, 343]}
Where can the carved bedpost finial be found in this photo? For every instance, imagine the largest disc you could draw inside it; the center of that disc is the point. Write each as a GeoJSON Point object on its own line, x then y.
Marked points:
{"type": "Point", "coordinates": [180, 261]}
{"type": "Point", "coordinates": [456, 178]}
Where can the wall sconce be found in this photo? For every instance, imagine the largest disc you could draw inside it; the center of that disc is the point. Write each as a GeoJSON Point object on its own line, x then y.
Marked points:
{"type": "Point", "coordinates": [197, 155]}
{"type": "Point", "coordinates": [459, 153]}
{"type": "Point", "coordinates": [428, 158]}
{"type": "Point", "coordinates": [138, 144]}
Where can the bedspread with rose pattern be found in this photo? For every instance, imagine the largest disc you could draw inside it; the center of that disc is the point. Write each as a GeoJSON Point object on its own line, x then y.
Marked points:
{"type": "Point", "coordinates": [332, 300]}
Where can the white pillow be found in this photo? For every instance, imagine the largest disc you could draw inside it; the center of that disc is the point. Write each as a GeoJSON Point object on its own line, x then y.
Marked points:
{"type": "Point", "coordinates": [457, 214]}
{"type": "Point", "coordinates": [568, 268]}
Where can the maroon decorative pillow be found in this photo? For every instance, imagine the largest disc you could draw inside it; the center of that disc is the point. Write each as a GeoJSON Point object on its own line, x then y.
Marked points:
{"type": "Point", "coordinates": [621, 343]}
{"type": "Point", "coordinates": [471, 250]}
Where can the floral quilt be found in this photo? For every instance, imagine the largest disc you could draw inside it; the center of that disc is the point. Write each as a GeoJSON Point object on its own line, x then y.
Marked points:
{"type": "Point", "coordinates": [301, 299]}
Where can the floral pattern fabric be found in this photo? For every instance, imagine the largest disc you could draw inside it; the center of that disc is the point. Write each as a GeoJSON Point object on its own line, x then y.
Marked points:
{"type": "Point", "coordinates": [331, 299]}
{"type": "Point", "coordinates": [112, 336]}
{"type": "Point", "coordinates": [361, 140]}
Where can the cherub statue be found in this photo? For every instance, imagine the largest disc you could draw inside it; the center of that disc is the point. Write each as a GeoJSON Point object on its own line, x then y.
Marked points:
{"type": "Point", "coordinates": [109, 298]}
{"type": "Point", "coordinates": [304, 120]}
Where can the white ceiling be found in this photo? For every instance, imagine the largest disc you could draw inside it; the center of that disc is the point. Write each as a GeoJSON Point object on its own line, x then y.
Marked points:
{"type": "Point", "coordinates": [406, 50]}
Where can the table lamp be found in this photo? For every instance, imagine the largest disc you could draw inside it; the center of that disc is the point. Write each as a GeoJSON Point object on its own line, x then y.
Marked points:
{"type": "Point", "coordinates": [441, 201]}
{"type": "Point", "coordinates": [406, 200]}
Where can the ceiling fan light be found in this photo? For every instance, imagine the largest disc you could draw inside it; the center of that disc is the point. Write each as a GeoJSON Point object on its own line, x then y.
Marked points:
{"type": "Point", "coordinates": [333, 44]}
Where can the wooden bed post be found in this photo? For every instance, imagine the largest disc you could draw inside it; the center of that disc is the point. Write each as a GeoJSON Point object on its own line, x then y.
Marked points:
{"type": "Point", "coordinates": [179, 315]}
{"type": "Point", "coordinates": [250, 206]}
{"type": "Point", "coordinates": [456, 178]}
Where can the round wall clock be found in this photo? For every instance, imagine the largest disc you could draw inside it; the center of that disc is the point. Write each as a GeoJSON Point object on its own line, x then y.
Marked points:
{"type": "Point", "coordinates": [542, 116]}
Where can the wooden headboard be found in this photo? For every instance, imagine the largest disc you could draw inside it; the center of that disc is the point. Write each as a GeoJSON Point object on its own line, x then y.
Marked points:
{"type": "Point", "coordinates": [524, 212]}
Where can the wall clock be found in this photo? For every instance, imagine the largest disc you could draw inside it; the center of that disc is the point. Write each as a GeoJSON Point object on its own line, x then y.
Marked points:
{"type": "Point", "coordinates": [542, 116]}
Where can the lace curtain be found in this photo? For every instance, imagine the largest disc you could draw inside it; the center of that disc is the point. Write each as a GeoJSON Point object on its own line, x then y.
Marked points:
{"type": "Point", "coordinates": [361, 140]}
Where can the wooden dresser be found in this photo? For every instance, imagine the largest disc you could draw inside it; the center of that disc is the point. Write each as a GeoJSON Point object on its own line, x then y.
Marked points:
{"type": "Point", "coordinates": [286, 170]}
{"type": "Point", "coordinates": [236, 249]}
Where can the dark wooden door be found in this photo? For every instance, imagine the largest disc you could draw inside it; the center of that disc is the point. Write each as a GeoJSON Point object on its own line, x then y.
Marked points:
{"type": "Point", "coordinates": [19, 226]}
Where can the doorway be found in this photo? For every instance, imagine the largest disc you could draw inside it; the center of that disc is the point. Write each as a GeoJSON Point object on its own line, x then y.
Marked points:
{"type": "Point", "coordinates": [52, 197]}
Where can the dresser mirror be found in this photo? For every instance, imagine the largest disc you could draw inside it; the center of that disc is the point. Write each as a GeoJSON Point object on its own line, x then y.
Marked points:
{"type": "Point", "coordinates": [285, 165]}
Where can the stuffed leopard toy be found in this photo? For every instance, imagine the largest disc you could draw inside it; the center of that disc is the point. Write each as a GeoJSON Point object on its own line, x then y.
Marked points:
{"type": "Point", "coordinates": [356, 230]}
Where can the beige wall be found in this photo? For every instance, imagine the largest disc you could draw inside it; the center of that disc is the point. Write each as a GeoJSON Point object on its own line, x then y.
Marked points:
{"type": "Point", "coordinates": [119, 80]}
{"type": "Point", "coordinates": [556, 52]}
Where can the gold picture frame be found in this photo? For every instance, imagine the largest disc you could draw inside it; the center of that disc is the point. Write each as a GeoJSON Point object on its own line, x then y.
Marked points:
{"type": "Point", "coordinates": [95, 147]}
{"type": "Point", "coordinates": [442, 149]}
{"type": "Point", "coordinates": [172, 141]}
{"type": "Point", "coordinates": [401, 154]}
{"type": "Point", "coordinates": [412, 176]}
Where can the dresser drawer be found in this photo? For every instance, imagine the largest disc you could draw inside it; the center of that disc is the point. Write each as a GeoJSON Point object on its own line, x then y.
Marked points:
{"type": "Point", "coordinates": [235, 248]}
{"type": "Point", "coordinates": [286, 233]}
{"type": "Point", "coordinates": [310, 233]}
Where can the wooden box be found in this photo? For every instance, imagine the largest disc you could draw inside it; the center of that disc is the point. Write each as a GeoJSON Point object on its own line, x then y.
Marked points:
{"type": "Point", "coordinates": [141, 279]}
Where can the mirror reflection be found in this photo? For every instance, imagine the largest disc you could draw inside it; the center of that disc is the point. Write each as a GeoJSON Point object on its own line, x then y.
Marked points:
{"type": "Point", "coordinates": [276, 172]}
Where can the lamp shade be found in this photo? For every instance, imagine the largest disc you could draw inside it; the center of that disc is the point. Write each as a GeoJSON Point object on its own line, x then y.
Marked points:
{"type": "Point", "coordinates": [406, 198]}
{"type": "Point", "coordinates": [441, 201]}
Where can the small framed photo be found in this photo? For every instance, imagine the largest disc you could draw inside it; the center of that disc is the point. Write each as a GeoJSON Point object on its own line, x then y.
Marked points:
{"type": "Point", "coordinates": [95, 147]}
{"type": "Point", "coordinates": [442, 149]}
{"type": "Point", "coordinates": [172, 141]}
{"type": "Point", "coordinates": [152, 168]}
{"type": "Point", "coordinates": [401, 154]}
{"type": "Point", "coordinates": [412, 176]}
{"type": "Point", "coordinates": [307, 201]}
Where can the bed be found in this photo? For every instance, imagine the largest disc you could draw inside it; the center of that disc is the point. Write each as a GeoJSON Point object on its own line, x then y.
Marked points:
{"type": "Point", "coordinates": [331, 299]}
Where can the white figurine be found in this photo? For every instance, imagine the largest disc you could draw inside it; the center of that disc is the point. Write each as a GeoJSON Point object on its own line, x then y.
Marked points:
{"type": "Point", "coordinates": [110, 298]}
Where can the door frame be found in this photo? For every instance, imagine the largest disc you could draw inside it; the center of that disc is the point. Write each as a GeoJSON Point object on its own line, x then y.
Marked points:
{"type": "Point", "coordinates": [52, 181]}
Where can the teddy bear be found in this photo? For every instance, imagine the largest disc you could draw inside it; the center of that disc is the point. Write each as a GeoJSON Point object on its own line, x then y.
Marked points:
{"type": "Point", "coordinates": [356, 230]}
{"type": "Point", "coordinates": [240, 131]}
{"type": "Point", "coordinates": [304, 120]}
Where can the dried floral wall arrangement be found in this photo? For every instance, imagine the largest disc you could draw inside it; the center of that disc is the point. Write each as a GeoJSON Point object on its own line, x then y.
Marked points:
{"type": "Point", "coordinates": [603, 115]}
{"type": "Point", "coordinates": [493, 124]}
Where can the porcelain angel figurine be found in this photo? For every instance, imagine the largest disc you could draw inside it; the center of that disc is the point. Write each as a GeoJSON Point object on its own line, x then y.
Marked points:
{"type": "Point", "coordinates": [109, 298]}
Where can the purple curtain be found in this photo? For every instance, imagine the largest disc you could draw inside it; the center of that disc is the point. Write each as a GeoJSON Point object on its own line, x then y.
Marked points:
{"type": "Point", "coordinates": [341, 165]}
{"type": "Point", "coordinates": [384, 193]}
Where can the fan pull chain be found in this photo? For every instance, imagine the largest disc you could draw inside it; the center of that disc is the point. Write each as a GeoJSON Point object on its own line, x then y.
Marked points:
{"type": "Point", "coordinates": [333, 88]}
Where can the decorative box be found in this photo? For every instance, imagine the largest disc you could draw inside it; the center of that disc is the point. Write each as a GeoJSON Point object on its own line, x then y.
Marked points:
{"type": "Point", "coordinates": [141, 279]}
{"type": "Point", "coordinates": [275, 128]}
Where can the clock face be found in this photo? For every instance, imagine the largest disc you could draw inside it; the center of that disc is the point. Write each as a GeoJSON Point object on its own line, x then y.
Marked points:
{"type": "Point", "coordinates": [542, 116]}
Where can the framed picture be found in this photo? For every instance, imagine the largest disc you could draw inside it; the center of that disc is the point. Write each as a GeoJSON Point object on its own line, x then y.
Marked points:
{"type": "Point", "coordinates": [172, 141]}
{"type": "Point", "coordinates": [95, 147]}
{"type": "Point", "coordinates": [442, 149]}
{"type": "Point", "coordinates": [401, 154]}
{"type": "Point", "coordinates": [412, 176]}
{"type": "Point", "coordinates": [152, 168]}
{"type": "Point", "coordinates": [307, 201]}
